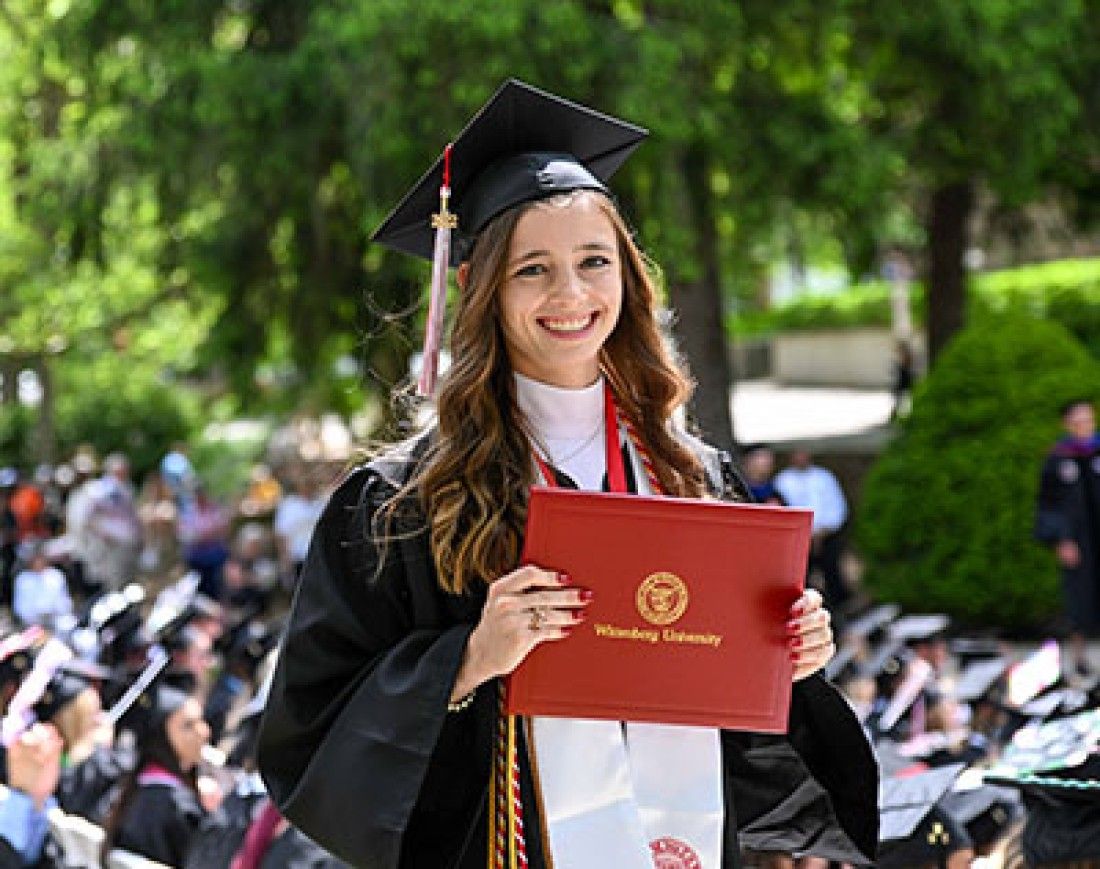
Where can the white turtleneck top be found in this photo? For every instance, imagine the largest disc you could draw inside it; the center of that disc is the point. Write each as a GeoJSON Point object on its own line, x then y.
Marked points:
{"type": "Point", "coordinates": [568, 425]}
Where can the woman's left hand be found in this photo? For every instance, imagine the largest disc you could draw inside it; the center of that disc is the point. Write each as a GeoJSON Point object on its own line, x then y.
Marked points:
{"type": "Point", "coordinates": [810, 635]}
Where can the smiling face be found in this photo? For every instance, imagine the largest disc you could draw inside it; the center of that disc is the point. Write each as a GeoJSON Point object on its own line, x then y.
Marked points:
{"type": "Point", "coordinates": [562, 291]}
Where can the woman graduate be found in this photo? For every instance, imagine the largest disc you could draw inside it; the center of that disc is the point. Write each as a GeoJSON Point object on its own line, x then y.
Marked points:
{"type": "Point", "coordinates": [384, 730]}
{"type": "Point", "coordinates": [159, 807]}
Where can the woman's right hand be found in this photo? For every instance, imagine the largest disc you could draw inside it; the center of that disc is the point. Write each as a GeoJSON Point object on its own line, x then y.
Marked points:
{"type": "Point", "coordinates": [524, 608]}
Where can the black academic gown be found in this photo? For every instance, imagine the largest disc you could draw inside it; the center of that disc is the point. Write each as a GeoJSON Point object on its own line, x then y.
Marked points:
{"type": "Point", "coordinates": [359, 751]}
{"type": "Point", "coordinates": [161, 822]}
{"type": "Point", "coordinates": [1069, 509]}
{"type": "Point", "coordinates": [85, 788]}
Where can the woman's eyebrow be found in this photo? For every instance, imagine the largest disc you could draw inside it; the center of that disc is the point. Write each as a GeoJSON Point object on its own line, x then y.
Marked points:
{"type": "Point", "coordinates": [595, 245]}
{"type": "Point", "coordinates": [531, 254]}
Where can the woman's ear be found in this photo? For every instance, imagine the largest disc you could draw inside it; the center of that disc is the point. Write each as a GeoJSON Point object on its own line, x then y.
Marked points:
{"type": "Point", "coordinates": [462, 275]}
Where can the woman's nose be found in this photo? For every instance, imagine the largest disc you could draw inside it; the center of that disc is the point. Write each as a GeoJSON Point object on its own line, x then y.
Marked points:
{"type": "Point", "coordinates": [570, 284]}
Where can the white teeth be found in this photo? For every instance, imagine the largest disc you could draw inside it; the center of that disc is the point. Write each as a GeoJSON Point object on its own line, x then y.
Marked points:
{"type": "Point", "coordinates": [573, 325]}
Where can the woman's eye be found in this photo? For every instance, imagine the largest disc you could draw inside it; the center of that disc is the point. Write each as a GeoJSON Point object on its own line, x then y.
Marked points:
{"type": "Point", "coordinates": [595, 261]}
{"type": "Point", "coordinates": [531, 271]}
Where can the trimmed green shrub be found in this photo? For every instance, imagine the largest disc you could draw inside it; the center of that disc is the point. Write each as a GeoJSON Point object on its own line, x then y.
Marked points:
{"type": "Point", "coordinates": [946, 514]}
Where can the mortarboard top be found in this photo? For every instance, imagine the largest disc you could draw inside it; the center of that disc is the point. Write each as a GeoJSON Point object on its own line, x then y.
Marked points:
{"type": "Point", "coordinates": [985, 810]}
{"type": "Point", "coordinates": [916, 628]}
{"type": "Point", "coordinates": [1065, 700]}
{"type": "Point", "coordinates": [968, 649]}
{"type": "Point", "coordinates": [523, 144]}
{"type": "Point", "coordinates": [905, 801]}
{"type": "Point", "coordinates": [976, 680]}
{"type": "Point", "coordinates": [1060, 744]}
{"type": "Point", "coordinates": [1079, 783]}
{"type": "Point", "coordinates": [62, 689]}
{"type": "Point", "coordinates": [69, 679]}
{"type": "Point", "coordinates": [872, 621]}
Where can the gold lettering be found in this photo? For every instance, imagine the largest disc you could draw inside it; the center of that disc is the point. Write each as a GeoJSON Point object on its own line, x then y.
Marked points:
{"type": "Point", "coordinates": [673, 636]}
{"type": "Point", "coordinates": [612, 632]}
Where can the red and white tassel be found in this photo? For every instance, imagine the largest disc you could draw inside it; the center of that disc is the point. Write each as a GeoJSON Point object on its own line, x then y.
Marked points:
{"type": "Point", "coordinates": [443, 222]}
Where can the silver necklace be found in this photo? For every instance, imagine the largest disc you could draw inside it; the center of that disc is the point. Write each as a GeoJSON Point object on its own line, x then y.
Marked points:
{"type": "Point", "coordinates": [559, 462]}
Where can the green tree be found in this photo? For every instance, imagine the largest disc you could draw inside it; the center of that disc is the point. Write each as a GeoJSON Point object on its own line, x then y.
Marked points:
{"type": "Point", "coordinates": [979, 93]}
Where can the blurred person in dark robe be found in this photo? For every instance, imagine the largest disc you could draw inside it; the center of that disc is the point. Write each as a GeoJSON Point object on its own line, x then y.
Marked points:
{"type": "Point", "coordinates": [1068, 520]}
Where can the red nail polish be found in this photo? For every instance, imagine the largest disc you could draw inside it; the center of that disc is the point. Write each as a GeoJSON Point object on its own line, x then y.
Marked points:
{"type": "Point", "coordinates": [586, 595]}
{"type": "Point", "coordinates": [564, 578]}
{"type": "Point", "coordinates": [578, 617]}
{"type": "Point", "coordinates": [792, 627]}
{"type": "Point", "coordinates": [795, 642]}
{"type": "Point", "coordinates": [797, 609]}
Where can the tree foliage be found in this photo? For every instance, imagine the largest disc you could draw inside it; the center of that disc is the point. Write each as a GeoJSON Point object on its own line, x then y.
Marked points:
{"type": "Point", "coordinates": [191, 185]}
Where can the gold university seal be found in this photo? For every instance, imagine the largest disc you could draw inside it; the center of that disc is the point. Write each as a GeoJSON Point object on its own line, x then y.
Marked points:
{"type": "Point", "coordinates": [662, 598]}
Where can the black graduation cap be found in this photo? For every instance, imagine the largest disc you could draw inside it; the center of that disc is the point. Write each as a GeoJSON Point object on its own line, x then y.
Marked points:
{"type": "Point", "coordinates": [149, 700]}
{"type": "Point", "coordinates": [976, 680]}
{"type": "Point", "coordinates": [17, 654]}
{"type": "Point", "coordinates": [970, 649]}
{"type": "Point", "coordinates": [875, 620]}
{"type": "Point", "coordinates": [62, 689]}
{"type": "Point", "coordinates": [524, 144]}
{"type": "Point", "coordinates": [151, 708]}
{"type": "Point", "coordinates": [919, 628]}
{"type": "Point", "coordinates": [986, 811]}
{"type": "Point", "coordinates": [248, 643]}
{"type": "Point", "coordinates": [904, 801]}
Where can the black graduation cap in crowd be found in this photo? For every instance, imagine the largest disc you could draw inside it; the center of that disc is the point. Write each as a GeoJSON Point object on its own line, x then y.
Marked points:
{"type": "Point", "coordinates": [875, 620]}
{"type": "Point", "coordinates": [63, 688]}
{"type": "Point", "coordinates": [248, 643]}
{"type": "Point", "coordinates": [17, 654]}
{"type": "Point", "coordinates": [919, 628]}
{"type": "Point", "coordinates": [986, 811]}
{"type": "Point", "coordinates": [977, 680]}
{"type": "Point", "coordinates": [904, 801]}
{"type": "Point", "coordinates": [149, 700]}
{"type": "Point", "coordinates": [1060, 744]}
{"type": "Point", "coordinates": [523, 144]}
{"type": "Point", "coordinates": [967, 650]}
{"type": "Point", "coordinates": [69, 681]}
{"type": "Point", "coordinates": [151, 708]}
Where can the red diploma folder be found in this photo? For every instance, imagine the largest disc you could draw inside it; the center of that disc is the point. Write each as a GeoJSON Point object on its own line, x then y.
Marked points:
{"type": "Point", "coordinates": [688, 620]}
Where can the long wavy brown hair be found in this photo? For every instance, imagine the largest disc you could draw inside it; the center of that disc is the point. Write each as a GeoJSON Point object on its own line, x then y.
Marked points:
{"type": "Point", "coordinates": [473, 482]}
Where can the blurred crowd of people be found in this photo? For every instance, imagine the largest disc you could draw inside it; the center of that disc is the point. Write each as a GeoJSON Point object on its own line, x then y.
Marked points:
{"type": "Point", "coordinates": [137, 628]}
{"type": "Point", "coordinates": [143, 622]}
{"type": "Point", "coordinates": [94, 529]}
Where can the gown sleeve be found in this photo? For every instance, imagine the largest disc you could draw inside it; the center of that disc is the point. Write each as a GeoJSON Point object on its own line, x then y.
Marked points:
{"type": "Point", "coordinates": [359, 698]}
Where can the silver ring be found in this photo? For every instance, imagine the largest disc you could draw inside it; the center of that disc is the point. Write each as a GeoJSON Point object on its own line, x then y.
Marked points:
{"type": "Point", "coordinates": [538, 616]}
